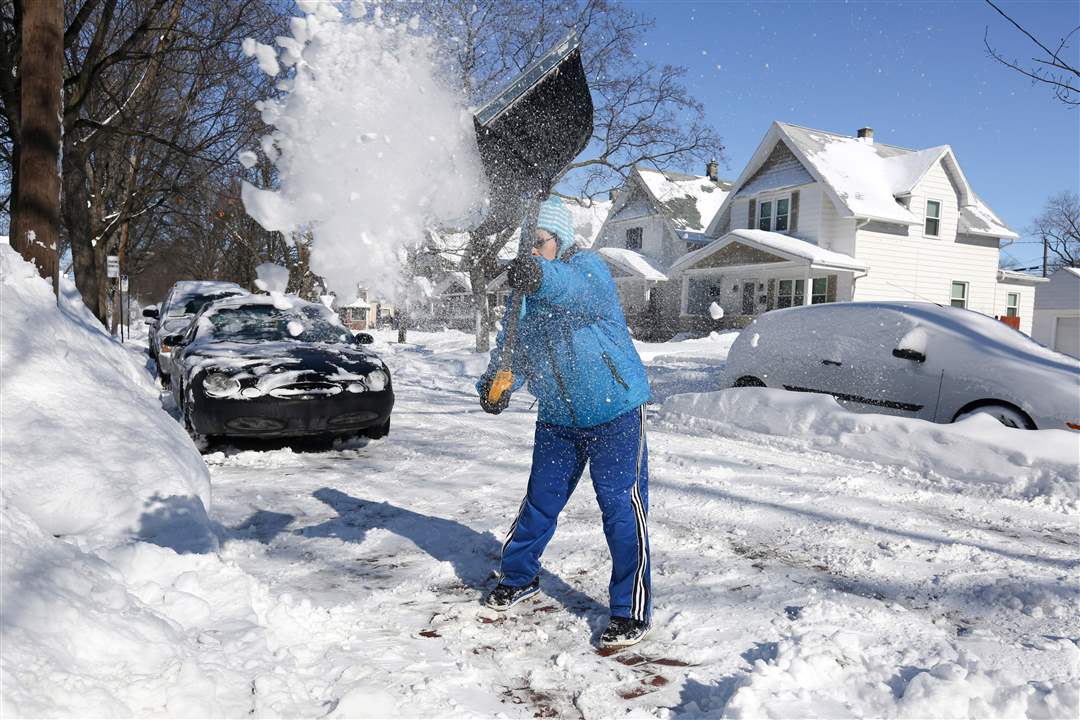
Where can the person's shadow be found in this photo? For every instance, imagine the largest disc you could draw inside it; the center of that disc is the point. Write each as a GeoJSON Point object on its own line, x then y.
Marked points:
{"type": "Point", "coordinates": [472, 554]}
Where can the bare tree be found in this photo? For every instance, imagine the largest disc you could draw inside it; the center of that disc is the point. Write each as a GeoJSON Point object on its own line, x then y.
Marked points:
{"type": "Point", "coordinates": [157, 101]}
{"type": "Point", "coordinates": [1058, 228]}
{"type": "Point", "coordinates": [643, 112]}
{"type": "Point", "coordinates": [1049, 66]}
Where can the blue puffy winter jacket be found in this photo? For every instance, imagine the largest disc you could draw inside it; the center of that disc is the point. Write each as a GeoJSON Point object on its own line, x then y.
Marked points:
{"type": "Point", "coordinates": [573, 346]}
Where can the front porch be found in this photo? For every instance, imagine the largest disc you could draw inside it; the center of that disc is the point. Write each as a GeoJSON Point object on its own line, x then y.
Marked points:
{"type": "Point", "coordinates": [748, 272]}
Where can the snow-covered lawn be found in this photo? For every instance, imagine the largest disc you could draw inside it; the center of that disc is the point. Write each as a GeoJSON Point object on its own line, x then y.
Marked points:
{"type": "Point", "coordinates": [807, 573]}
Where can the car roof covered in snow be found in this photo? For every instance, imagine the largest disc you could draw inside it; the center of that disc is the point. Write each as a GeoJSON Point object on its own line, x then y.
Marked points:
{"type": "Point", "coordinates": [283, 302]}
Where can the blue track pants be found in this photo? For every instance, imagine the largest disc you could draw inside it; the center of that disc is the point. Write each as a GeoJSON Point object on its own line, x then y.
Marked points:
{"type": "Point", "coordinates": [618, 461]}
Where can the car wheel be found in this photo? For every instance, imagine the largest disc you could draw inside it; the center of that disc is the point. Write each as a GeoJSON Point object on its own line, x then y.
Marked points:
{"type": "Point", "coordinates": [377, 431]}
{"type": "Point", "coordinates": [1007, 415]}
{"type": "Point", "coordinates": [748, 381]}
{"type": "Point", "coordinates": [202, 442]}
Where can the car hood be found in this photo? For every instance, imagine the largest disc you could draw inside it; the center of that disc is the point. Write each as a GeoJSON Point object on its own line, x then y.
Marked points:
{"type": "Point", "coordinates": [328, 361]}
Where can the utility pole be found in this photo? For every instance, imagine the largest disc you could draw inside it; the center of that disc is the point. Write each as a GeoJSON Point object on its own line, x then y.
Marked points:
{"type": "Point", "coordinates": [36, 220]}
{"type": "Point", "coordinates": [1046, 246]}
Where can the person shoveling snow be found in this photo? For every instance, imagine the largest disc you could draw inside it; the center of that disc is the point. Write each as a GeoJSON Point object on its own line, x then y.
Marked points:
{"type": "Point", "coordinates": [575, 350]}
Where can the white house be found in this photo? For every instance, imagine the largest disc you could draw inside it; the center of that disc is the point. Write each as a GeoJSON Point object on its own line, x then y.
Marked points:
{"type": "Point", "coordinates": [1057, 312]}
{"type": "Point", "coordinates": [820, 217]}
{"type": "Point", "coordinates": [657, 218]}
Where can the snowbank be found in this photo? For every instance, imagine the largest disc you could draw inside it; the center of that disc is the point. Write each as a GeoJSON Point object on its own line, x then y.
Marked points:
{"type": "Point", "coordinates": [977, 454]}
{"type": "Point", "coordinates": [87, 449]}
{"type": "Point", "coordinates": [713, 347]}
{"type": "Point", "coordinates": [834, 661]}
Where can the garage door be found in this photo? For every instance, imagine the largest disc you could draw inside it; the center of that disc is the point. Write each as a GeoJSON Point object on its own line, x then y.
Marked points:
{"type": "Point", "coordinates": [1067, 336]}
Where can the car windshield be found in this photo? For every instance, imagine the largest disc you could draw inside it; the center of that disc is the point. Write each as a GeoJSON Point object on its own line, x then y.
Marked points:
{"type": "Point", "coordinates": [254, 323]}
{"type": "Point", "coordinates": [192, 304]}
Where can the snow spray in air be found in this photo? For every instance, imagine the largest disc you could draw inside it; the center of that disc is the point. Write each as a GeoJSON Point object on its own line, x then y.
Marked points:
{"type": "Point", "coordinates": [371, 146]}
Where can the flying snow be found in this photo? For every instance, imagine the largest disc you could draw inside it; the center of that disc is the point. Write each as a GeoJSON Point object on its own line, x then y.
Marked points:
{"type": "Point", "coordinates": [370, 145]}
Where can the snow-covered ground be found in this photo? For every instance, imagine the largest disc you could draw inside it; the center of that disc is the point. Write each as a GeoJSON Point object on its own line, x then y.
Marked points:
{"type": "Point", "coordinates": [796, 574]}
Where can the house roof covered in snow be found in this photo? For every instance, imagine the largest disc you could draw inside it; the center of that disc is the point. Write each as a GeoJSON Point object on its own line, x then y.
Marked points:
{"type": "Point", "coordinates": [868, 179]}
{"type": "Point", "coordinates": [633, 263]}
{"type": "Point", "coordinates": [1011, 276]}
{"type": "Point", "coordinates": [689, 201]}
{"type": "Point", "coordinates": [784, 246]}
{"type": "Point", "coordinates": [454, 283]}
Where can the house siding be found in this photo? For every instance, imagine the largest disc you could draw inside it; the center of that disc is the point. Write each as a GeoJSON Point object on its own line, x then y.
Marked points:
{"type": "Point", "coordinates": [781, 170]}
{"type": "Point", "coordinates": [834, 232]}
{"type": "Point", "coordinates": [921, 268]}
{"type": "Point", "coordinates": [1026, 310]}
{"type": "Point", "coordinates": [809, 228]}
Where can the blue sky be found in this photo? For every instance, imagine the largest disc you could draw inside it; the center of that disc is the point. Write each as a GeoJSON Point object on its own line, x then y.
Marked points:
{"type": "Point", "coordinates": [916, 72]}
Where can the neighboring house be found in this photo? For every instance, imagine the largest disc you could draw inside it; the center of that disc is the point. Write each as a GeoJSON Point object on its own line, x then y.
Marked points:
{"type": "Point", "coordinates": [361, 313]}
{"type": "Point", "coordinates": [1057, 312]}
{"type": "Point", "coordinates": [821, 217]}
{"type": "Point", "coordinates": [451, 302]}
{"type": "Point", "coordinates": [657, 217]}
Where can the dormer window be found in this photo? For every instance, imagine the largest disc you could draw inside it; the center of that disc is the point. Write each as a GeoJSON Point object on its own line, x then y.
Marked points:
{"type": "Point", "coordinates": [633, 238]}
{"type": "Point", "coordinates": [781, 223]}
{"type": "Point", "coordinates": [765, 215]}
{"type": "Point", "coordinates": [933, 218]}
{"type": "Point", "coordinates": [776, 213]}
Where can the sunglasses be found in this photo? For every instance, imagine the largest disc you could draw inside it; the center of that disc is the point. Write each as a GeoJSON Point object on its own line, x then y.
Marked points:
{"type": "Point", "coordinates": [541, 239]}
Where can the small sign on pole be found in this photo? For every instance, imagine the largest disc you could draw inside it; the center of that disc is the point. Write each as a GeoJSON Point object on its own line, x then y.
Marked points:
{"type": "Point", "coordinates": [123, 283]}
{"type": "Point", "coordinates": [112, 266]}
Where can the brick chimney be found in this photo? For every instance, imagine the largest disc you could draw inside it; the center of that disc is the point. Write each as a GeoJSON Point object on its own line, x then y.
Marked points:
{"type": "Point", "coordinates": [712, 169]}
{"type": "Point", "coordinates": [866, 135]}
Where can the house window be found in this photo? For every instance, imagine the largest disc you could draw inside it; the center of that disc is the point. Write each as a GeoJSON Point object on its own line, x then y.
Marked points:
{"type": "Point", "coordinates": [959, 294]}
{"type": "Point", "coordinates": [1012, 305]}
{"type": "Point", "coordinates": [790, 293]}
{"type": "Point", "coordinates": [819, 291]}
{"type": "Point", "coordinates": [933, 218]}
{"type": "Point", "coordinates": [765, 215]}
{"type": "Point", "coordinates": [781, 215]}
{"type": "Point", "coordinates": [633, 238]}
{"type": "Point", "coordinates": [774, 214]}
{"type": "Point", "coordinates": [701, 293]}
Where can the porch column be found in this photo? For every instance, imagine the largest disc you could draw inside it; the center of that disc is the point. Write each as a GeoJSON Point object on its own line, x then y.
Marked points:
{"type": "Point", "coordinates": [807, 288]}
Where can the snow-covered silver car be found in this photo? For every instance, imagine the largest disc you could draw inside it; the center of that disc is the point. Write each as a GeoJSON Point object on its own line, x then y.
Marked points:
{"type": "Point", "coordinates": [183, 301]}
{"type": "Point", "coordinates": [908, 358]}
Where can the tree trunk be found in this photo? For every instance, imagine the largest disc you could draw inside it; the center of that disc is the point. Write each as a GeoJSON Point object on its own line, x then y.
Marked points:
{"type": "Point", "coordinates": [37, 234]}
{"type": "Point", "coordinates": [77, 222]}
{"type": "Point", "coordinates": [481, 308]}
{"type": "Point", "coordinates": [402, 325]}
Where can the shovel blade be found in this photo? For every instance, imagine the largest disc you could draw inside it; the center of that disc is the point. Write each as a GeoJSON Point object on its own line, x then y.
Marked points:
{"type": "Point", "coordinates": [532, 130]}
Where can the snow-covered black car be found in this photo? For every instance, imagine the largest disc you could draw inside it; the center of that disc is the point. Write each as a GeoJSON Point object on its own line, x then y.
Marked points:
{"type": "Point", "coordinates": [172, 317]}
{"type": "Point", "coordinates": [247, 367]}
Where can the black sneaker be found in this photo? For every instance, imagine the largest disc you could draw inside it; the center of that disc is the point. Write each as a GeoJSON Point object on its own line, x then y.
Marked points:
{"type": "Point", "coordinates": [503, 597]}
{"type": "Point", "coordinates": [623, 632]}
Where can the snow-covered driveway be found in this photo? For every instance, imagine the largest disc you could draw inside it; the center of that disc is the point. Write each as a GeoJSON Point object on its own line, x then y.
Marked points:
{"type": "Point", "coordinates": [787, 580]}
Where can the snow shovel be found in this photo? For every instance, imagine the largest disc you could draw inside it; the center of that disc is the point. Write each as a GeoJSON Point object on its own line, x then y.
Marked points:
{"type": "Point", "coordinates": [527, 135]}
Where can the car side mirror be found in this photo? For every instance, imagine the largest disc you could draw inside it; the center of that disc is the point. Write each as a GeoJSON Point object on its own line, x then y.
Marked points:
{"type": "Point", "coordinates": [363, 339]}
{"type": "Point", "coordinates": [171, 342]}
{"type": "Point", "coordinates": [150, 312]}
{"type": "Point", "coordinates": [909, 354]}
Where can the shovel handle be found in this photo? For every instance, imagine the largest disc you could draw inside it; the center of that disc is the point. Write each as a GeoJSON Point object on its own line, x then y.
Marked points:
{"type": "Point", "coordinates": [504, 380]}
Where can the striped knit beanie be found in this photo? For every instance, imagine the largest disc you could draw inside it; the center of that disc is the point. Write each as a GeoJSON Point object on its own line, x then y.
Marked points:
{"type": "Point", "coordinates": [555, 218]}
